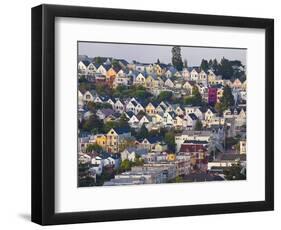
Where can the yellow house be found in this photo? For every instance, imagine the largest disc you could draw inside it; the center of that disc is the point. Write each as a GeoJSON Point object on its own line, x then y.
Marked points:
{"type": "Point", "coordinates": [111, 75]}
{"type": "Point", "coordinates": [112, 141]}
{"type": "Point", "coordinates": [171, 157]}
{"type": "Point", "coordinates": [149, 81]}
{"type": "Point", "coordinates": [101, 140]}
{"type": "Point", "coordinates": [150, 109]}
{"type": "Point", "coordinates": [219, 93]}
{"type": "Point", "coordinates": [159, 70]}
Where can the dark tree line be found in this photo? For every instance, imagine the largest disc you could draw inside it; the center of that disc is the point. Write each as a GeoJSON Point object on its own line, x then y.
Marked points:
{"type": "Point", "coordinates": [228, 69]}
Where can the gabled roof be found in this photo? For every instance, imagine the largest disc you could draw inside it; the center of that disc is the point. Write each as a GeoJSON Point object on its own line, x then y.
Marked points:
{"type": "Point", "coordinates": [162, 65]}
{"type": "Point", "coordinates": [130, 114]}
{"type": "Point", "coordinates": [154, 139]}
{"type": "Point", "coordinates": [193, 116]}
{"type": "Point", "coordinates": [107, 112]}
{"type": "Point", "coordinates": [86, 62]}
{"type": "Point", "coordinates": [122, 130]}
{"type": "Point", "coordinates": [123, 61]}
{"type": "Point", "coordinates": [107, 67]}
{"type": "Point", "coordinates": [172, 114]}
{"type": "Point", "coordinates": [134, 103]}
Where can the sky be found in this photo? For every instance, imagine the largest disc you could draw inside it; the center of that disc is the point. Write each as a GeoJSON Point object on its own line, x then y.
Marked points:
{"type": "Point", "coordinates": [150, 53]}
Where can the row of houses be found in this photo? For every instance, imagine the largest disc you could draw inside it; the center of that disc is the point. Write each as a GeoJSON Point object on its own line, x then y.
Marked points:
{"type": "Point", "coordinates": [164, 114]}
{"type": "Point", "coordinates": [153, 76]}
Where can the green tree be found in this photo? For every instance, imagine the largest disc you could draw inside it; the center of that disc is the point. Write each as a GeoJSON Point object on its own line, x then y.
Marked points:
{"type": "Point", "coordinates": [178, 179]}
{"type": "Point", "coordinates": [204, 65]}
{"type": "Point", "coordinates": [235, 172]}
{"type": "Point", "coordinates": [210, 64]}
{"type": "Point", "coordinates": [91, 123]}
{"type": "Point", "coordinates": [225, 68]}
{"type": "Point", "coordinates": [123, 121]}
{"type": "Point", "coordinates": [215, 66]}
{"type": "Point", "coordinates": [125, 165]}
{"type": "Point", "coordinates": [219, 108]}
{"type": "Point", "coordinates": [227, 99]}
{"type": "Point", "coordinates": [142, 133]}
{"type": "Point", "coordinates": [198, 125]}
{"type": "Point", "coordinates": [94, 147]}
{"type": "Point", "coordinates": [98, 60]}
{"type": "Point", "coordinates": [165, 96]}
{"type": "Point", "coordinates": [185, 65]}
{"type": "Point", "coordinates": [109, 125]}
{"type": "Point", "coordinates": [84, 177]}
{"type": "Point", "coordinates": [115, 63]}
{"type": "Point", "coordinates": [195, 99]}
{"type": "Point", "coordinates": [176, 58]}
{"type": "Point", "coordinates": [169, 139]}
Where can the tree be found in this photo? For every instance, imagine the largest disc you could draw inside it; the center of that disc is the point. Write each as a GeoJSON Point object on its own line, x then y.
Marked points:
{"type": "Point", "coordinates": [185, 65]}
{"type": "Point", "coordinates": [115, 63]}
{"type": "Point", "coordinates": [225, 68]}
{"type": "Point", "coordinates": [109, 125]}
{"type": "Point", "coordinates": [123, 121]}
{"type": "Point", "coordinates": [178, 179]}
{"type": "Point", "coordinates": [176, 58]}
{"type": "Point", "coordinates": [235, 172]}
{"type": "Point", "coordinates": [98, 60]}
{"type": "Point", "coordinates": [195, 99]}
{"type": "Point", "coordinates": [204, 65]}
{"type": "Point", "coordinates": [143, 132]}
{"type": "Point", "coordinates": [210, 64]}
{"type": "Point", "coordinates": [91, 123]}
{"type": "Point", "coordinates": [219, 108]}
{"type": "Point", "coordinates": [164, 96]}
{"type": "Point", "coordinates": [169, 139]}
{"type": "Point", "coordinates": [93, 147]}
{"type": "Point", "coordinates": [158, 61]}
{"type": "Point", "coordinates": [125, 165]}
{"type": "Point", "coordinates": [84, 176]}
{"type": "Point", "coordinates": [227, 99]}
{"type": "Point", "coordinates": [215, 66]}
{"type": "Point", "coordinates": [198, 125]}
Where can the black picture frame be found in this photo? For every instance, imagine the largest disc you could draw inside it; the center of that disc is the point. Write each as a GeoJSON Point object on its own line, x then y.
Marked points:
{"type": "Point", "coordinates": [43, 114]}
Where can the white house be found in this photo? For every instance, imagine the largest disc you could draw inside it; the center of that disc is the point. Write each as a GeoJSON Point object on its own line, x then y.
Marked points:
{"type": "Point", "coordinates": [119, 107]}
{"type": "Point", "coordinates": [139, 108]}
{"type": "Point", "coordinates": [134, 122]}
{"type": "Point", "coordinates": [91, 69]}
{"type": "Point", "coordinates": [209, 115]}
{"type": "Point", "coordinates": [169, 83]}
{"type": "Point", "coordinates": [194, 75]}
{"type": "Point", "coordinates": [80, 99]}
{"type": "Point", "coordinates": [140, 79]}
{"type": "Point", "coordinates": [191, 119]}
{"type": "Point", "coordinates": [102, 70]}
{"type": "Point", "coordinates": [186, 74]}
{"type": "Point", "coordinates": [82, 67]}
{"type": "Point", "coordinates": [88, 96]}
{"type": "Point", "coordinates": [168, 118]}
{"type": "Point", "coordinates": [143, 120]}
{"type": "Point", "coordinates": [202, 76]}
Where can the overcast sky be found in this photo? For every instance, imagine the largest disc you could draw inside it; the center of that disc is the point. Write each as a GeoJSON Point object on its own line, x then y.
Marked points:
{"type": "Point", "coordinates": [150, 53]}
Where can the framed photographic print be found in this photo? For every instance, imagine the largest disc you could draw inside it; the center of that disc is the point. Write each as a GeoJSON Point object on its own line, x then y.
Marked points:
{"type": "Point", "coordinates": [143, 114]}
